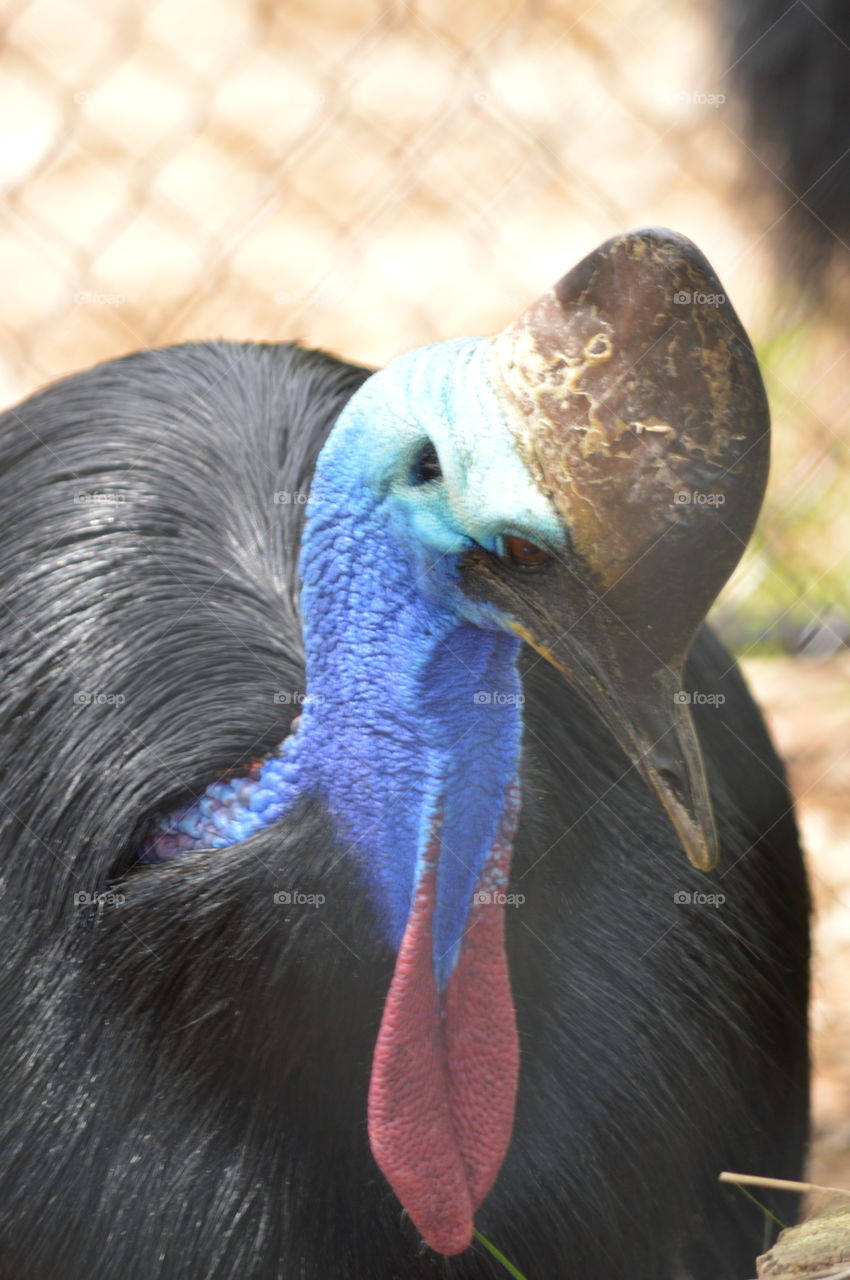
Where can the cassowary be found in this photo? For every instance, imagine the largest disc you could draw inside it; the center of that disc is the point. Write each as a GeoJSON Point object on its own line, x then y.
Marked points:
{"type": "Point", "coordinates": [348, 765]}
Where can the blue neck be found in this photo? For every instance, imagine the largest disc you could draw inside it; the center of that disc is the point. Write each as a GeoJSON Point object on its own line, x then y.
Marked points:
{"type": "Point", "coordinates": [412, 720]}
{"type": "Point", "coordinates": [412, 715]}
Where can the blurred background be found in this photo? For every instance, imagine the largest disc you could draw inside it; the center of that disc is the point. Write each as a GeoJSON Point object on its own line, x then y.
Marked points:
{"type": "Point", "coordinates": [369, 177]}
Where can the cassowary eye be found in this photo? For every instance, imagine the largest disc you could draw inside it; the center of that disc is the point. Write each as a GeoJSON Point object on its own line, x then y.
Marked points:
{"type": "Point", "coordinates": [522, 554]}
{"type": "Point", "coordinates": [426, 466]}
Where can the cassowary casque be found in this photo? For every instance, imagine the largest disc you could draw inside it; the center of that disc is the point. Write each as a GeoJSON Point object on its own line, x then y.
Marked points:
{"type": "Point", "coordinates": [356, 729]}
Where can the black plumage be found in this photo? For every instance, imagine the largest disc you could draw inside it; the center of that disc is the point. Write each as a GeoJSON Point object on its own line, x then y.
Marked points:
{"type": "Point", "coordinates": [788, 77]}
{"type": "Point", "coordinates": [184, 1063]}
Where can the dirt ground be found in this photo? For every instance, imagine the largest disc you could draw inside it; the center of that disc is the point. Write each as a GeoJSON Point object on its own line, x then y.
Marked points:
{"type": "Point", "coordinates": [807, 704]}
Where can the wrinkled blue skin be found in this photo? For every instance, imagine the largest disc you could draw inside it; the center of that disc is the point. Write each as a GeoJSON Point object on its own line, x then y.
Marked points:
{"type": "Point", "coordinates": [413, 710]}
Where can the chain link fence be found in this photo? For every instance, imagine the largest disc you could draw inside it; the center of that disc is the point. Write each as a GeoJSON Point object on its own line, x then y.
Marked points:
{"type": "Point", "coordinates": [370, 177]}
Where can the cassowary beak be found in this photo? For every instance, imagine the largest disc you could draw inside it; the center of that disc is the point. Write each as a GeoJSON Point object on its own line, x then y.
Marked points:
{"type": "Point", "coordinates": [647, 712]}
{"type": "Point", "coordinates": [635, 400]}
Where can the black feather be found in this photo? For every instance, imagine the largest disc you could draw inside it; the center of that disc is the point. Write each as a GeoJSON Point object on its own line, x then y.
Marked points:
{"type": "Point", "coordinates": [789, 71]}
{"type": "Point", "coordinates": [184, 1064]}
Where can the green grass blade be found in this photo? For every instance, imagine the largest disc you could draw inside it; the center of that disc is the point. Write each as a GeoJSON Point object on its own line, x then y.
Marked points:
{"type": "Point", "coordinates": [761, 1206]}
{"type": "Point", "coordinates": [500, 1257]}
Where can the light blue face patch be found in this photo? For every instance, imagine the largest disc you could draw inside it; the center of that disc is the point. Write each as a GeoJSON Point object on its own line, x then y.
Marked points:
{"type": "Point", "coordinates": [443, 394]}
{"type": "Point", "coordinates": [412, 721]}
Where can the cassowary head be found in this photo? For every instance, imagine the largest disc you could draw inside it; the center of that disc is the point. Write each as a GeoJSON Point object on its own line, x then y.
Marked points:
{"type": "Point", "coordinates": [584, 482]}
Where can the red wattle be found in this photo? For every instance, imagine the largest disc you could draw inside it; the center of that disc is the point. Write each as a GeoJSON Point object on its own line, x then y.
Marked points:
{"type": "Point", "coordinates": [444, 1072]}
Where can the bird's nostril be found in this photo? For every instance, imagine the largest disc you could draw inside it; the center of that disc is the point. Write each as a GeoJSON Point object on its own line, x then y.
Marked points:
{"type": "Point", "coordinates": [672, 779]}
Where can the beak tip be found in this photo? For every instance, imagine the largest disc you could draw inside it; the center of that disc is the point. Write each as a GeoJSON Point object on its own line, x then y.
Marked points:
{"type": "Point", "coordinates": [703, 857]}
{"type": "Point", "coordinates": [694, 826]}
